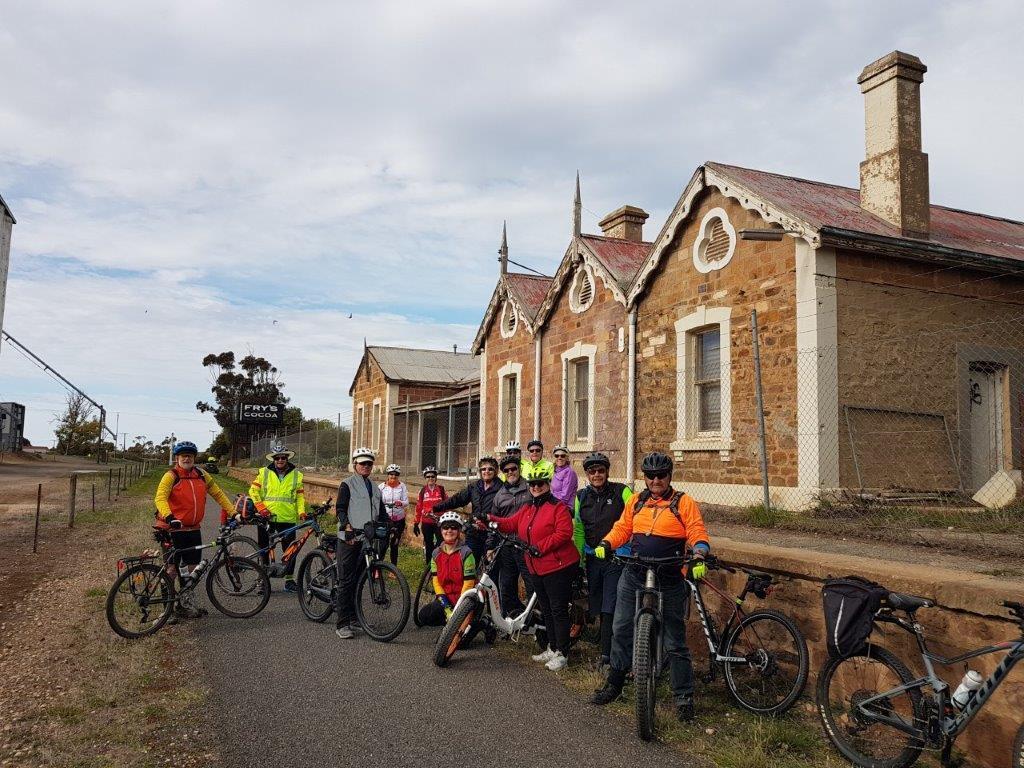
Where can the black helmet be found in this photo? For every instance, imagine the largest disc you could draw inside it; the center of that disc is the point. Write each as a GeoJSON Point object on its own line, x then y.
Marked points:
{"type": "Point", "coordinates": [594, 459]}
{"type": "Point", "coordinates": [656, 462]}
{"type": "Point", "coordinates": [509, 459]}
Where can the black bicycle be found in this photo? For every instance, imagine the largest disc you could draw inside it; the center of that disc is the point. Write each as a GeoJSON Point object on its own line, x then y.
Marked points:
{"type": "Point", "coordinates": [383, 601]}
{"type": "Point", "coordinates": [144, 594]}
{"type": "Point", "coordinates": [875, 711]}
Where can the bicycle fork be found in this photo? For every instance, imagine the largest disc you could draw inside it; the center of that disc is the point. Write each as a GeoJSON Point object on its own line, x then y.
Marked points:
{"type": "Point", "coordinates": [649, 600]}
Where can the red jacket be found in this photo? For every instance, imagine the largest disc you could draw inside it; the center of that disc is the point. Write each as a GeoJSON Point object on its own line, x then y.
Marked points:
{"type": "Point", "coordinates": [425, 503]}
{"type": "Point", "coordinates": [546, 523]}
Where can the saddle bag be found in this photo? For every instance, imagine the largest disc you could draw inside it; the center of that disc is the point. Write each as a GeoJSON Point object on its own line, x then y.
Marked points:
{"type": "Point", "coordinates": [850, 605]}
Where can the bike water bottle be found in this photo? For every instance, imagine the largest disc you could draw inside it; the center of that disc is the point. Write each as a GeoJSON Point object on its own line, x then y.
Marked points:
{"type": "Point", "coordinates": [972, 681]}
{"type": "Point", "coordinates": [198, 570]}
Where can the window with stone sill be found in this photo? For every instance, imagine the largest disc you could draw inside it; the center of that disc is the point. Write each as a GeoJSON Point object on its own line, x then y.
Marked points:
{"type": "Point", "coordinates": [376, 425]}
{"type": "Point", "coordinates": [703, 388]}
{"type": "Point", "coordinates": [578, 397]}
{"type": "Point", "coordinates": [359, 426]}
{"type": "Point", "coordinates": [510, 408]}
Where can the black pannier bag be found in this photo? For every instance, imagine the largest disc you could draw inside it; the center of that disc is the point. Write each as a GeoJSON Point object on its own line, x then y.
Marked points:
{"type": "Point", "coordinates": [850, 604]}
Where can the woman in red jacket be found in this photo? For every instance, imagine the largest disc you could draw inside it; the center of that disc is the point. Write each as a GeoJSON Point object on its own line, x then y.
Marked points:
{"type": "Point", "coordinates": [546, 524]}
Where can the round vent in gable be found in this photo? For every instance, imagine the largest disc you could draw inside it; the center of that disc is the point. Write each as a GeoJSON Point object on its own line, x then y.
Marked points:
{"type": "Point", "coordinates": [716, 242]}
{"type": "Point", "coordinates": [581, 294]}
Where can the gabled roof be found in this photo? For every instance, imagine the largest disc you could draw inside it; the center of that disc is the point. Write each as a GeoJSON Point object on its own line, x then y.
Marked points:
{"type": "Point", "coordinates": [526, 292]}
{"type": "Point", "coordinates": [422, 366]}
{"type": "Point", "coordinates": [622, 258]}
{"type": "Point", "coordinates": [818, 212]}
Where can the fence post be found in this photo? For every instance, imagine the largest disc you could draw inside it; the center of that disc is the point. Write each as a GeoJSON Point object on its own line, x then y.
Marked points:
{"type": "Point", "coordinates": [118, 483]}
{"type": "Point", "coordinates": [337, 442]}
{"type": "Point", "coordinates": [469, 430]}
{"type": "Point", "coordinates": [94, 497]}
{"type": "Point", "coordinates": [408, 447]}
{"type": "Point", "coordinates": [760, 410]}
{"type": "Point", "coordinates": [39, 504]}
{"type": "Point", "coordinates": [316, 443]}
{"type": "Point", "coordinates": [72, 490]}
{"type": "Point", "coordinates": [110, 481]}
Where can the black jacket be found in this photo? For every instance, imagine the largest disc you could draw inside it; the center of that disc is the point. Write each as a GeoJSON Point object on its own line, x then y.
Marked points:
{"type": "Point", "coordinates": [507, 502]}
{"type": "Point", "coordinates": [598, 510]}
{"type": "Point", "coordinates": [480, 499]}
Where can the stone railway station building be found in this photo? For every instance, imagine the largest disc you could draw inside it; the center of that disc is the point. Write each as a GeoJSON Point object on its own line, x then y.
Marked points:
{"type": "Point", "coordinates": [891, 334]}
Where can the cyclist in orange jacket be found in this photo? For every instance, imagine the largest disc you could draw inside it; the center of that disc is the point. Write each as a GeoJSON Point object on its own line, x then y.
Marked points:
{"type": "Point", "coordinates": [180, 505]}
{"type": "Point", "coordinates": [659, 522]}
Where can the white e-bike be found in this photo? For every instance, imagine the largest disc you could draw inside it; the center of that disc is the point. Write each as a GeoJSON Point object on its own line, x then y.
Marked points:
{"type": "Point", "coordinates": [479, 609]}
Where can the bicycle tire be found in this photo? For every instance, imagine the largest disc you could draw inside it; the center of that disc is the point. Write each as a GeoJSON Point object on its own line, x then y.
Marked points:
{"type": "Point", "coordinates": [839, 724]}
{"type": "Point", "coordinates": [766, 665]}
{"type": "Point", "coordinates": [153, 578]}
{"type": "Point", "coordinates": [240, 545]}
{"type": "Point", "coordinates": [313, 606]}
{"type": "Point", "coordinates": [1017, 761]}
{"type": "Point", "coordinates": [645, 675]}
{"type": "Point", "coordinates": [233, 575]}
{"type": "Point", "coordinates": [424, 589]}
{"type": "Point", "coordinates": [455, 629]}
{"type": "Point", "coordinates": [376, 584]}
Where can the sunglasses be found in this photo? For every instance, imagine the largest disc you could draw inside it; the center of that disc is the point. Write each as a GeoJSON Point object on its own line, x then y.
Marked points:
{"type": "Point", "coordinates": [536, 483]}
{"type": "Point", "coordinates": [535, 450]}
{"type": "Point", "coordinates": [364, 463]}
{"type": "Point", "coordinates": [451, 528]}
{"type": "Point", "coordinates": [655, 475]}
{"type": "Point", "coordinates": [392, 474]}
{"type": "Point", "coordinates": [488, 469]}
{"type": "Point", "coordinates": [561, 455]}
{"type": "Point", "coordinates": [596, 471]}
{"type": "Point", "coordinates": [431, 477]}
{"type": "Point", "coordinates": [510, 468]}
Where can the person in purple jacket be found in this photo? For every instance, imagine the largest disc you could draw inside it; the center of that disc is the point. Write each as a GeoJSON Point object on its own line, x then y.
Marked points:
{"type": "Point", "coordinates": [565, 482]}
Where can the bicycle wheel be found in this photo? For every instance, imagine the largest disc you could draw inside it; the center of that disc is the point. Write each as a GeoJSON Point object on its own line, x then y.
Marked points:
{"type": "Point", "coordinates": [844, 683]}
{"type": "Point", "coordinates": [1017, 761]}
{"type": "Point", "coordinates": [455, 629]}
{"type": "Point", "coordinates": [775, 674]}
{"type": "Point", "coordinates": [644, 653]}
{"type": "Point", "coordinates": [317, 570]}
{"type": "Point", "coordinates": [382, 601]}
{"type": "Point", "coordinates": [241, 545]}
{"type": "Point", "coordinates": [139, 602]}
{"type": "Point", "coordinates": [238, 588]}
{"type": "Point", "coordinates": [424, 594]}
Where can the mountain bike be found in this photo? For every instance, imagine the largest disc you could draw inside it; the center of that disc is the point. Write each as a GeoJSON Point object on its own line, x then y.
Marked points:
{"type": "Point", "coordinates": [479, 609]}
{"type": "Point", "coordinates": [144, 594]}
{"type": "Point", "coordinates": [383, 602]}
{"type": "Point", "coordinates": [762, 654]}
{"type": "Point", "coordinates": [244, 546]}
{"type": "Point", "coordinates": [877, 714]}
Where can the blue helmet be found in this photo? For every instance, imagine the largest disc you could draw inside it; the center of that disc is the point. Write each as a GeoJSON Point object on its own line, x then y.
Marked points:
{"type": "Point", "coordinates": [185, 447]}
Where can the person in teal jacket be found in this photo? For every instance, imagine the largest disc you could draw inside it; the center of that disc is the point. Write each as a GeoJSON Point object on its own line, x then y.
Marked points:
{"type": "Point", "coordinates": [596, 508]}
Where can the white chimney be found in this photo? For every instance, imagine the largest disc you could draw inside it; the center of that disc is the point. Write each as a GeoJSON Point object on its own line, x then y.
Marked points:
{"type": "Point", "coordinates": [894, 175]}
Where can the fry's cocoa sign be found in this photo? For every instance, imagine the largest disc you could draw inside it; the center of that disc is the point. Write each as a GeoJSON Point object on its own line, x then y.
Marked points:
{"type": "Point", "coordinates": [260, 413]}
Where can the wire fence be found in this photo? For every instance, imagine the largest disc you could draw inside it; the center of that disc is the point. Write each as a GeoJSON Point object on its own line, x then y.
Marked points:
{"type": "Point", "coordinates": [323, 446]}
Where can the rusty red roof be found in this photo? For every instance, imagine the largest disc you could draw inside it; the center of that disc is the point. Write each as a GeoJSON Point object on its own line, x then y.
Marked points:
{"type": "Point", "coordinates": [622, 258]}
{"type": "Point", "coordinates": [825, 206]}
{"type": "Point", "coordinates": [529, 291]}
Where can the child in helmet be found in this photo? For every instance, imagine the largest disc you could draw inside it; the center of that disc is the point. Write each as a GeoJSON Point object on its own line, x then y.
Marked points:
{"type": "Point", "coordinates": [395, 496]}
{"type": "Point", "coordinates": [453, 568]}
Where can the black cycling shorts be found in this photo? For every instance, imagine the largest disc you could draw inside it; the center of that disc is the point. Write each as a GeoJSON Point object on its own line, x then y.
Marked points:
{"type": "Point", "coordinates": [188, 539]}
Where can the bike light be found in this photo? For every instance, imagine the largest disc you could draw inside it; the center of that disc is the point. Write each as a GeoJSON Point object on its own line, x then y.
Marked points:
{"type": "Point", "coordinates": [120, 565]}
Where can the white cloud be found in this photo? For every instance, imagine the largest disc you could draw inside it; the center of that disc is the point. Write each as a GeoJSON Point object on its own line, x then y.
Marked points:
{"type": "Point", "coordinates": [249, 160]}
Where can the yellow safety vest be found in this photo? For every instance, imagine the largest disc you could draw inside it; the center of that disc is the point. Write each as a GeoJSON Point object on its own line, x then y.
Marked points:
{"type": "Point", "coordinates": [281, 497]}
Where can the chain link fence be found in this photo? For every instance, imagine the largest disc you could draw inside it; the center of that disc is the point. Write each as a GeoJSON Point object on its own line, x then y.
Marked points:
{"type": "Point", "coordinates": [321, 446]}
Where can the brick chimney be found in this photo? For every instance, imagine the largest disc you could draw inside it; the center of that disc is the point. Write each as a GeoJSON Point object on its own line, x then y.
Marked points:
{"type": "Point", "coordinates": [894, 175]}
{"type": "Point", "coordinates": [626, 223]}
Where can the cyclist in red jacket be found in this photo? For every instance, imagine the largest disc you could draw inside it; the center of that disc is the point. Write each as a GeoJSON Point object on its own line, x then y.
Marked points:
{"type": "Point", "coordinates": [545, 523]}
{"type": "Point", "coordinates": [431, 495]}
{"type": "Point", "coordinates": [453, 569]}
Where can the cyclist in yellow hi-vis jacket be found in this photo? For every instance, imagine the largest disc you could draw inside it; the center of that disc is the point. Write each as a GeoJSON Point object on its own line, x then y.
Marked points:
{"type": "Point", "coordinates": [277, 493]}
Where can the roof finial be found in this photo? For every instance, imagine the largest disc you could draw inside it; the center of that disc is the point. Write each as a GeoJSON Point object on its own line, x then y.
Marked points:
{"type": "Point", "coordinates": [577, 210]}
{"type": "Point", "coordinates": [503, 250]}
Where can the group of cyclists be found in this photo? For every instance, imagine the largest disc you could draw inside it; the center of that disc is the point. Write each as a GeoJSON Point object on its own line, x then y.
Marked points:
{"type": "Point", "coordinates": [565, 528]}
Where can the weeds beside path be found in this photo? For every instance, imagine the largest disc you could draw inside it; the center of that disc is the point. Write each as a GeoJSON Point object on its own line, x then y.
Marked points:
{"type": "Point", "coordinates": [72, 694]}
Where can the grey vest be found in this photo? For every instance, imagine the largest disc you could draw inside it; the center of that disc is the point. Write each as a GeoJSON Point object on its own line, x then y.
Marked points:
{"type": "Point", "coordinates": [361, 508]}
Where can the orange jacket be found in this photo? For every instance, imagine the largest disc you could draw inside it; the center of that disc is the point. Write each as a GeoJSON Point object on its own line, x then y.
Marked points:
{"type": "Point", "coordinates": [653, 530]}
{"type": "Point", "coordinates": [183, 495]}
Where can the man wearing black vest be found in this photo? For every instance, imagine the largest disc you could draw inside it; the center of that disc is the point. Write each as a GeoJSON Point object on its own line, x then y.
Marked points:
{"type": "Point", "coordinates": [359, 502]}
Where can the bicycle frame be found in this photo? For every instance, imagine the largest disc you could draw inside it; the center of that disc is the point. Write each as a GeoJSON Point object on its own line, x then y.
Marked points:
{"type": "Point", "coordinates": [714, 639]}
{"type": "Point", "coordinates": [486, 593]}
{"type": "Point", "coordinates": [947, 726]}
{"type": "Point", "coordinates": [650, 588]}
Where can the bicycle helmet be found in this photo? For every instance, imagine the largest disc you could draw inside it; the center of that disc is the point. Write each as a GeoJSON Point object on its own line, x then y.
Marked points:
{"type": "Point", "coordinates": [596, 459]}
{"type": "Point", "coordinates": [509, 460]}
{"type": "Point", "coordinates": [488, 460]}
{"type": "Point", "coordinates": [363, 453]}
{"type": "Point", "coordinates": [538, 472]}
{"type": "Point", "coordinates": [393, 468]}
{"type": "Point", "coordinates": [537, 443]}
{"type": "Point", "coordinates": [185, 447]}
{"type": "Point", "coordinates": [656, 462]}
{"type": "Point", "coordinates": [450, 517]}
{"type": "Point", "coordinates": [430, 471]}
{"type": "Point", "coordinates": [512, 445]}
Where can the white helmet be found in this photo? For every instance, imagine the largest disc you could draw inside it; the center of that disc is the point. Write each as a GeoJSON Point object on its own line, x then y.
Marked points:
{"type": "Point", "coordinates": [363, 453]}
{"type": "Point", "coordinates": [449, 517]}
{"type": "Point", "coordinates": [393, 468]}
{"type": "Point", "coordinates": [512, 445]}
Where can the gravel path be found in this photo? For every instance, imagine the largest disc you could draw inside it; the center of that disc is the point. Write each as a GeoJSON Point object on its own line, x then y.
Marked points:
{"type": "Point", "coordinates": [287, 692]}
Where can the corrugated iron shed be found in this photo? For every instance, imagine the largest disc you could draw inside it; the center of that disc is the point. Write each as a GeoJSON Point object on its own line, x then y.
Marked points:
{"type": "Point", "coordinates": [428, 366]}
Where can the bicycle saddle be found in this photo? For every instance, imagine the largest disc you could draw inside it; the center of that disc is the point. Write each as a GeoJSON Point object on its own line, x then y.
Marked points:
{"type": "Point", "coordinates": [908, 603]}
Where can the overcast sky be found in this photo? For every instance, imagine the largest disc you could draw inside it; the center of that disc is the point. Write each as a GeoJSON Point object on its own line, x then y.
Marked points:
{"type": "Point", "coordinates": [185, 174]}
